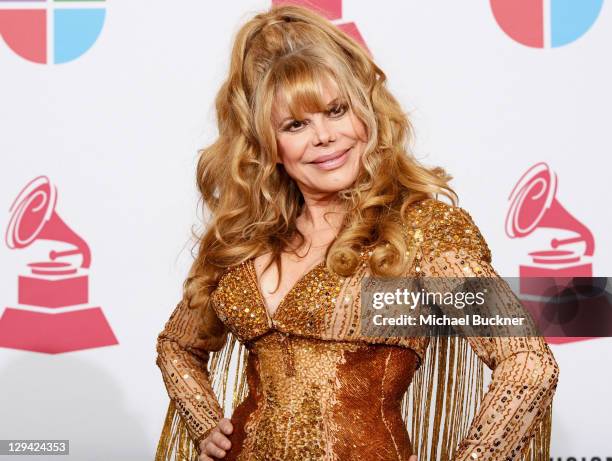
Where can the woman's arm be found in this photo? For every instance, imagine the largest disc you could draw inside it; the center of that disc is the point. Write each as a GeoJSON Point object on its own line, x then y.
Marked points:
{"type": "Point", "coordinates": [525, 373]}
{"type": "Point", "coordinates": [182, 357]}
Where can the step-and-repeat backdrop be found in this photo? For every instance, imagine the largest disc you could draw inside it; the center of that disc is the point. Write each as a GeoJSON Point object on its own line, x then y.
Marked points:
{"type": "Point", "coordinates": [103, 105]}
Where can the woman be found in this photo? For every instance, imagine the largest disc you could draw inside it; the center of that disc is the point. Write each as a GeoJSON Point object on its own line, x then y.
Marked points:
{"type": "Point", "coordinates": [310, 189]}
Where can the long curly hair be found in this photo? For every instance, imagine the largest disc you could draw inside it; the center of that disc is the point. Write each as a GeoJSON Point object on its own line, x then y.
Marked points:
{"type": "Point", "coordinates": [253, 203]}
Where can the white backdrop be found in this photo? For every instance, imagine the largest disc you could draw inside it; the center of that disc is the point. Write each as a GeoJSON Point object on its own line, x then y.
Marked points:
{"type": "Point", "coordinates": [117, 130]}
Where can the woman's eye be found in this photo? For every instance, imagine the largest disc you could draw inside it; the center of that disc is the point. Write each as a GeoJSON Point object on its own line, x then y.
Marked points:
{"type": "Point", "coordinates": [295, 124]}
{"type": "Point", "coordinates": [338, 110]}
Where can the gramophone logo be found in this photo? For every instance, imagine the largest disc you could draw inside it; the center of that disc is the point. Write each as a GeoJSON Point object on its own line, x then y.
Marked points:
{"type": "Point", "coordinates": [56, 31]}
{"type": "Point", "coordinates": [545, 23]}
{"type": "Point", "coordinates": [332, 10]}
{"type": "Point", "coordinates": [567, 258]}
{"type": "Point", "coordinates": [52, 314]}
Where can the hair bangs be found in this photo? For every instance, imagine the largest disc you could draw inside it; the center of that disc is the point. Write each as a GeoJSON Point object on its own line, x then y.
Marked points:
{"type": "Point", "coordinates": [298, 87]}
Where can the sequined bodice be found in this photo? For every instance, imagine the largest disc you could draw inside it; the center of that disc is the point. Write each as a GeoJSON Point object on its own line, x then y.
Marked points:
{"type": "Point", "coordinates": [311, 372]}
{"type": "Point", "coordinates": [310, 399]}
{"type": "Point", "coordinates": [320, 390]}
{"type": "Point", "coordinates": [320, 305]}
{"type": "Point", "coordinates": [306, 308]}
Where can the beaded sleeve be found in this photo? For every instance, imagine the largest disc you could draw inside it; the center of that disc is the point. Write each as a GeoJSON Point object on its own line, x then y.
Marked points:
{"type": "Point", "coordinates": [524, 370]}
{"type": "Point", "coordinates": [182, 356]}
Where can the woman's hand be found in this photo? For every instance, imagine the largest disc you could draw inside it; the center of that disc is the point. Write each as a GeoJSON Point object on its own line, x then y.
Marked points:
{"type": "Point", "coordinates": [216, 443]}
{"type": "Point", "coordinates": [412, 458]}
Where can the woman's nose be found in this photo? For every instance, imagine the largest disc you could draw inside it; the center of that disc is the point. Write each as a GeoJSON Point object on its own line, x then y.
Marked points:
{"type": "Point", "coordinates": [322, 131]}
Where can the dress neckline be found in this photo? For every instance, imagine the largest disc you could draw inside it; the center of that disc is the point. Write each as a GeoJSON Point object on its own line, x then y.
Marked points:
{"type": "Point", "coordinates": [262, 300]}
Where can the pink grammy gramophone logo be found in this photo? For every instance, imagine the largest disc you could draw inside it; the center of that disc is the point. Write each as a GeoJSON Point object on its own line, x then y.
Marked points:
{"type": "Point", "coordinates": [534, 206]}
{"type": "Point", "coordinates": [332, 10]}
{"type": "Point", "coordinates": [52, 314]}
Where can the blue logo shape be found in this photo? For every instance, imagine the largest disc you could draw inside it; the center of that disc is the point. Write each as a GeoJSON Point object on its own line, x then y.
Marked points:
{"type": "Point", "coordinates": [570, 19]}
{"type": "Point", "coordinates": [76, 30]}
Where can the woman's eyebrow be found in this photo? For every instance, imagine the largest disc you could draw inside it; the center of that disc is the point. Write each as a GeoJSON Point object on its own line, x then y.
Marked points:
{"type": "Point", "coordinates": [330, 103]}
{"type": "Point", "coordinates": [280, 123]}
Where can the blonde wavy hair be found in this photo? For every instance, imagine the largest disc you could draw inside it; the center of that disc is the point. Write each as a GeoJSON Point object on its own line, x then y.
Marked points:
{"type": "Point", "coordinates": [253, 202]}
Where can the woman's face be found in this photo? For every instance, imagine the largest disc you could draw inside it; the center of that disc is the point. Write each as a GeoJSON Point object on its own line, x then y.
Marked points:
{"type": "Point", "coordinates": [321, 152]}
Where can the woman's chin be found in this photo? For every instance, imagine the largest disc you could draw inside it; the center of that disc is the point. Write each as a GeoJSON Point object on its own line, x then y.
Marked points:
{"type": "Point", "coordinates": [334, 183]}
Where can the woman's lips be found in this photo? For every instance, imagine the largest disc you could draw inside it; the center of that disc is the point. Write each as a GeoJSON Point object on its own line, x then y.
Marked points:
{"type": "Point", "coordinates": [333, 162]}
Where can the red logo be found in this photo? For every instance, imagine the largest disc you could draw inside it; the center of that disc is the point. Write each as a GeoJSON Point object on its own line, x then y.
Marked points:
{"type": "Point", "coordinates": [534, 208]}
{"type": "Point", "coordinates": [53, 315]}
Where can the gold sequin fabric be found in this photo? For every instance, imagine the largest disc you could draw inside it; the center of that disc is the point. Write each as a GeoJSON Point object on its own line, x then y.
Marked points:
{"type": "Point", "coordinates": [307, 309]}
{"type": "Point", "coordinates": [315, 399]}
{"type": "Point", "coordinates": [319, 390]}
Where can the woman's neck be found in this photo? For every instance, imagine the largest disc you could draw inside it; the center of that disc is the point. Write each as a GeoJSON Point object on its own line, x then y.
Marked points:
{"type": "Point", "coordinates": [320, 220]}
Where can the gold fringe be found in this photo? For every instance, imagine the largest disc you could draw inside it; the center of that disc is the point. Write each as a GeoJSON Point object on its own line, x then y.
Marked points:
{"type": "Point", "coordinates": [539, 447]}
{"type": "Point", "coordinates": [440, 403]}
{"type": "Point", "coordinates": [175, 443]}
{"type": "Point", "coordinates": [454, 374]}
{"type": "Point", "coordinates": [443, 397]}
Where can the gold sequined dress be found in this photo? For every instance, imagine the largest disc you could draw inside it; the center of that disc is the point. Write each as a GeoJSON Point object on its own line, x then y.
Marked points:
{"type": "Point", "coordinates": [309, 386]}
